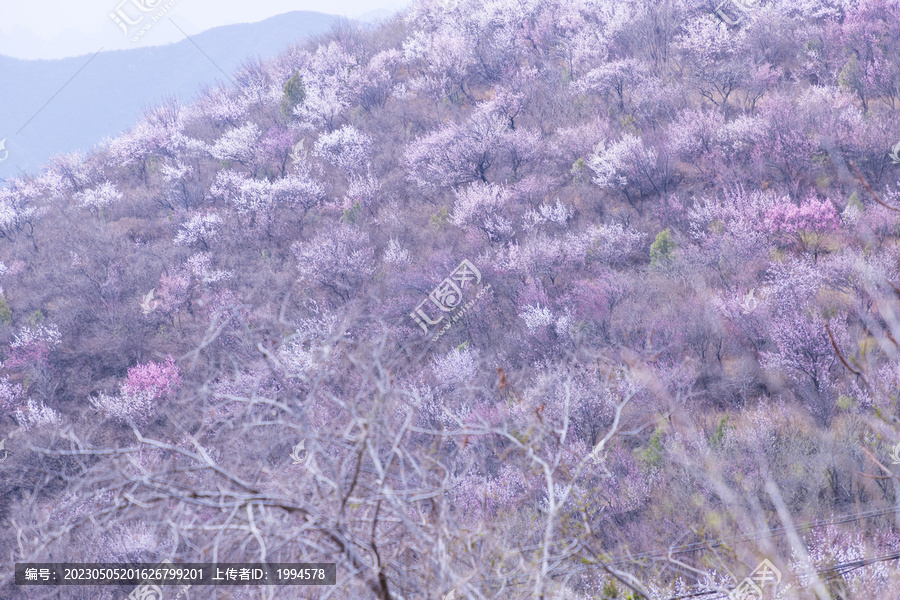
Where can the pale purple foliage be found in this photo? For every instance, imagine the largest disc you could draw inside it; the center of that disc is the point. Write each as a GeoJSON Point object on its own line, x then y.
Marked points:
{"type": "Point", "coordinates": [483, 496]}
{"type": "Point", "coordinates": [134, 407]}
{"type": "Point", "coordinates": [277, 144]}
{"type": "Point", "coordinates": [200, 266]}
{"type": "Point", "coordinates": [558, 213]}
{"type": "Point", "coordinates": [536, 317]}
{"type": "Point", "coordinates": [100, 197]}
{"type": "Point", "coordinates": [831, 545]}
{"type": "Point", "coordinates": [328, 88]}
{"type": "Point", "coordinates": [346, 148]}
{"type": "Point", "coordinates": [260, 199]}
{"type": "Point", "coordinates": [46, 334]}
{"type": "Point", "coordinates": [804, 352]}
{"type": "Point", "coordinates": [17, 208]}
{"type": "Point", "coordinates": [740, 214]}
{"type": "Point", "coordinates": [201, 227]}
{"type": "Point", "coordinates": [36, 415]}
{"type": "Point", "coordinates": [456, 367]}
{"type": "Point", "coordinates": [481, 205]}
{"type": "Point", "coordinates": [173, 291]}
{"type": "Point", "coordinates": [31, 354]}
{"type": "Point", "coordinates": [237, 144]}
{"type": "Point", "coordinates": [222, 107]}
{"type": "Point", "coordinates": [11, 395]}
{"type": "Point", "coordinates": [545, 255]}
{"type": "Point", "coordinates": [308, 347]}
{"type": "Point", "coordinates": [615, 166]}
{"type": "Point", "coordinates": [339, 259]}
{"type": "Point", "coordinates": [142, 140]}
{"type": "Point", "coordinates": [457, 154]}
{"type": "Point", "coordinates": [396, 254]}
{"type": "Point", "coordinates": [612, 80]}
{"type": "Point", "coordinates": [68, 173]}
{"type": "Point", "coordinates": [611, 243]}
{"type": "Point", "coordinates": [363, 189]}
{"type": "Point", "coordinates": [176, 172]}
{"type": "Point", "coordinates": [374, 84]}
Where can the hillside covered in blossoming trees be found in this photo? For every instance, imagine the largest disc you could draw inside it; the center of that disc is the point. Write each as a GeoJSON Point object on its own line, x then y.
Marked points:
{"type": "Point", "coordinates": [569, 299]}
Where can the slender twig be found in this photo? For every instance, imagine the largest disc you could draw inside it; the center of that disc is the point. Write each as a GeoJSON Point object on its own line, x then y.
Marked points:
{"type": "Point", "coordinates": [869, 188]}
{"type": "Point", "coordinates": [877, 462]}
{"type": "Point", "coordinates": [846, 364]}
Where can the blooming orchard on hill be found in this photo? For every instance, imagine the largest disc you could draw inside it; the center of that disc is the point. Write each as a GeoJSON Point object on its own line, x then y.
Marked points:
{"type": "Point", "coordinates": [684, 359]}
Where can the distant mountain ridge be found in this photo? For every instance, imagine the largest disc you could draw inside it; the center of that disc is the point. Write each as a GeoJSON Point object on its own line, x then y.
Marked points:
{"type": "Point", "coordinates": [106, 93]}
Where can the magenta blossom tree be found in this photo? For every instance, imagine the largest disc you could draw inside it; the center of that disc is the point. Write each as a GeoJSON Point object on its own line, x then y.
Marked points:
{"type": "Point", "coordinates": [162, 380]}
{"type": "Point", "coordinates": [803, 224]}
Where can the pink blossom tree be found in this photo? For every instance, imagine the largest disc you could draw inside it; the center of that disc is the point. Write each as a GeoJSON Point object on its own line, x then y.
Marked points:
{"type": "Point", "coordinates": [340, 259]}
{"type": "Point", "coordinates": [456, 154]}
{"type": "Point", "coordinates": [346, 148]}
{"type": "Point", "coordinates": [159, 380]}
{"type": "Point", "coordinates": [374, 83]}
{"type": "Point", "coordinates": [869, 62]}
{"type": "Point", "coordinates": [719, 64]}
{"type": "Point", "coordinates": [264, 205]}
{"type": "Point", "coordinates": [632, 167]}
{"type": "Point", "coordinates": [612, 80]}
{"type": "Point", "coordinates": [804, 224]}
{"type": "Point", "coordinates": [11, 396]}
{"type": "Point", "coordinates": [174, 291]}
{"type": "Point", "coordinates": [18, 211]}
{"type": "Point", "coordinates": [159, 133]}
{"type": "Point", "coordinates": [327, 76]}
{"type": "Point", "coordinates": [201, 228]}
{"type": "Point", "coordinates": [803, 350]}
{"type": "Point", "coordinates": [275, 150]}
{"type": "Point", "coordinates": [237, 145]}
{"type": "Point", "coordinates": [485, 207]}
{"type": "Point", "coordinates": [143, 389]}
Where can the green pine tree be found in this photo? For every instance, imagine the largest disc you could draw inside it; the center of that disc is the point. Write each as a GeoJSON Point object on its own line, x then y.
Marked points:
{"type": "Point", "coordinates": [294, 94]}
{"type": "Point", "coordinates": [662, 248]}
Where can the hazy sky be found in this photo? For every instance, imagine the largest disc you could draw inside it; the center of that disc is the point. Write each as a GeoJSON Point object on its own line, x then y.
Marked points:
{"type": "Point", "coordinates": [59, 28]}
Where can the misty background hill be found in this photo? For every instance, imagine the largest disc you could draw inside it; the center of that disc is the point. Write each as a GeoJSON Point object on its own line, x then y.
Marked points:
{"type": "Point", "coordinates": [111, 90]}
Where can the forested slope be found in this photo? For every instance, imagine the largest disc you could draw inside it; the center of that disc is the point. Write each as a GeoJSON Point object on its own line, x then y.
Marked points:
{"type": "Point", "coordinates": [564, 299]}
